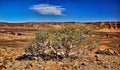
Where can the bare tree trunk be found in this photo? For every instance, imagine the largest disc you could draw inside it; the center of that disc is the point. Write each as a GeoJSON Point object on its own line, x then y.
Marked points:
{"type": "Point", "coordinates": [53, 49]}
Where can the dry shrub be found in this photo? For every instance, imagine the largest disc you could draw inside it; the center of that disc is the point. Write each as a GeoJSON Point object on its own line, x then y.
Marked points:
{"type": "Point", "coordinates": [58, 43]}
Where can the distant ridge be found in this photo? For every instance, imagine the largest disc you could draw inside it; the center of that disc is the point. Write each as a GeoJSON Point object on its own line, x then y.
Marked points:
{"type": "Point", "coordinates": [39, 25]}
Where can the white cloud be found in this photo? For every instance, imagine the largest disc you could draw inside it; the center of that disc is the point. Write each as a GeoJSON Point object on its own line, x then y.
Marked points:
{"type": "Point", "coordinates": [47, 9]}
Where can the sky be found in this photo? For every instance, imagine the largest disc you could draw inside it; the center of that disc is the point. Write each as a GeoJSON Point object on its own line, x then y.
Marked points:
{"type": "Point", "coordinates": [59, 10]}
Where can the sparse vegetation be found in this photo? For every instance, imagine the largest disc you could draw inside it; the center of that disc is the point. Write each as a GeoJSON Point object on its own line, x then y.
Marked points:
{"type": "Point", "coordinates": [57, 43]}
{"type": "Point", "coordinates": [80, 57]}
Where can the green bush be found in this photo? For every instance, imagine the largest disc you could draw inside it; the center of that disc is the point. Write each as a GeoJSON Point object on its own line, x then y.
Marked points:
{"type": "Point", "coordinates": [51, 42]}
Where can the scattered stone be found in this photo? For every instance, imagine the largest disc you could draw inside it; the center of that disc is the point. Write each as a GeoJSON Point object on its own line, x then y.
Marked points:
{"type": "Point", "coordinates": [83, 64]}
{"type": "Point", "coordinates": [28, 66]}
{"type": "Point", "coordinates": [2, 67]}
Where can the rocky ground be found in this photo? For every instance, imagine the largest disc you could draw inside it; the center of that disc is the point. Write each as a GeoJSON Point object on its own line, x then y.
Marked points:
{"type": "Point", "coordinates": [13, 42]}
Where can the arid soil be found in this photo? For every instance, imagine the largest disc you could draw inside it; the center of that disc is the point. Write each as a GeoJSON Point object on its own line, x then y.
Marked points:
{"type": "Point", "coordinates": [14, 38]}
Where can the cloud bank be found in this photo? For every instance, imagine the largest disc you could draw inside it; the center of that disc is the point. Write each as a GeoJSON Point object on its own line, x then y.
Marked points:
{"type": "Point", "coordinates": [47, 9]}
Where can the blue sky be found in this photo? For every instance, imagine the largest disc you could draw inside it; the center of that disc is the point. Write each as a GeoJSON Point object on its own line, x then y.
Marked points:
{"type": "Point", "coordinates": [59, 10]}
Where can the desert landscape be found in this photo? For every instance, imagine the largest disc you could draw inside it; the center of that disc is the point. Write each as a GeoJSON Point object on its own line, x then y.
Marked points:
{"type": "Point", "coordinates": [14, 37]}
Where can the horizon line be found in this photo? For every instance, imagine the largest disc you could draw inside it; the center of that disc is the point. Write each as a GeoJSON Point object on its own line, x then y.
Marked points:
{"type": "Point", "coordinates": [59, 21]}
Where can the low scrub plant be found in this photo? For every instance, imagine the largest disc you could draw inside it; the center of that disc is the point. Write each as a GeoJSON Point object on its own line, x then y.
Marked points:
{"type": "Point", "coordinates": [57, 43]}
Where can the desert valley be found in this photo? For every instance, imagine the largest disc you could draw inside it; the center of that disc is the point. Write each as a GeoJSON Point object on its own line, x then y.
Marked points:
{"type": "Point", "coordinates": [14, 37]}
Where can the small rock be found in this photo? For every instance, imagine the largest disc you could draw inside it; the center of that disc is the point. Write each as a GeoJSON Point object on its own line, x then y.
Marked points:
{"type": "Point", "coordinates": [28, 65]}
{"type": "Point", "coordinates": [105, 66]}
{"type": "Point", "coordinates": [83, 64]}
{"type": "Point", "coordinates": [2, 67]}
